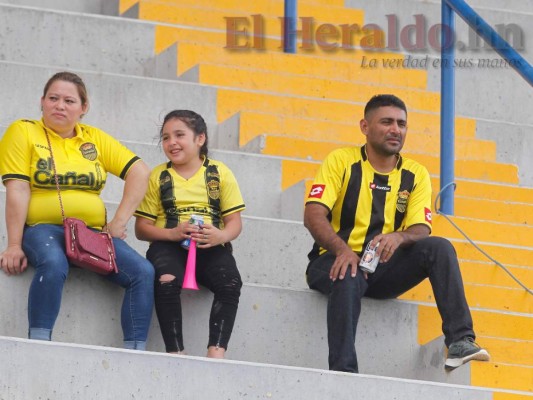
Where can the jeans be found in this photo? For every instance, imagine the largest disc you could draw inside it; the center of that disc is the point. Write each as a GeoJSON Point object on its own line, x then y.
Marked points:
{"type": "Point", "coordinates": [44, 246]}
{"type": "Point", "coordinates": [432, 257]}
{"type": "Point", "coordinates": [216, 269]}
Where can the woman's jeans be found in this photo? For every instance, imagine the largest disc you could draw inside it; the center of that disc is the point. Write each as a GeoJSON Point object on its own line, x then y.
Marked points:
{"type": "Point", "coordinates": [44, 246]}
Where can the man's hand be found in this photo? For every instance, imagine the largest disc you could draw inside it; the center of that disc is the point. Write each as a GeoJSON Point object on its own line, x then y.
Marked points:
{"type": "Point", "coordinates": [388, 243]}
{"type": "Point", "coordinates": [344, 260]}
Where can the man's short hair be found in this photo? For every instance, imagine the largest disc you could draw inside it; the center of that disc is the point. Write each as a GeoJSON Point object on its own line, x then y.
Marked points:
{"type": "Point", "coordinates": [384, 100]}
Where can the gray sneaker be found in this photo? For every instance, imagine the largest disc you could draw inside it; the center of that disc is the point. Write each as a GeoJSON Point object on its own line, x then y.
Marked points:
{"type": "Point", "coordinates": [464, 350]}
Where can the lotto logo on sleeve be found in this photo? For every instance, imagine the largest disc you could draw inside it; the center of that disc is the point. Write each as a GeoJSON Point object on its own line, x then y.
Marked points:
{"type": "Point", "coordinates": [317, 191]}
{"type": "Point", "coordinates": [427, 214]}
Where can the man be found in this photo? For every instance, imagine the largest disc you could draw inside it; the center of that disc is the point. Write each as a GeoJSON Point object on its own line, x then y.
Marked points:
{"type": "Point", "coordinates": [372, 195]}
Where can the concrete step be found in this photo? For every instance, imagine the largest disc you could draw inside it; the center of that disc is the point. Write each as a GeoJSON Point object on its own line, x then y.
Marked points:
{"type": "Point", "coordinates": [251, 124]}
{"type": "Point", "coordinates": [289, 146]}
{"type": "Point", "coordinates": [126, 106]}
{"type": "Point", "coordinates": [156, 376]}
{"type": "Point", "coordinates": [260, 305]}
{"type": "Point", "coordinates": [294, 171]}
{"type": "Point", "coordinates": [213, 15]}
{"type": "Point", "coordinates": [270, 326]}
{"type": "Point", "coordinates": [484, 231]}
{"type": "Point", "coordinates": [513, 329]}
{"type": "Point", "coordinates": [231, 101]}
{"type": "Point", "coordinates": [330, 88]}
{"type": "Point", "coordinates": [80, 6]}
{"type": "Point", "coordinates": [473, 206]}
{"type": "Point", "coordinates": [495, 297]}
{"type": "Point", "coordinates": [487, 285]}
{"type": "Point", "coordinates": [60, 38]}
{"type": "Point", "coordinates": [177, 57]}
{"type": "Point", "coordinates": [328, 10]}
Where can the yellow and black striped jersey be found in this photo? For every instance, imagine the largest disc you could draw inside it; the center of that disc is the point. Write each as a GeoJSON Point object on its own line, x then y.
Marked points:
{"type": "Point", "coordinates": [363, 203]}
{"type": "Point", "coordinates": [82, 164]}
{"type": "Point", "coordinates": [212, 193]}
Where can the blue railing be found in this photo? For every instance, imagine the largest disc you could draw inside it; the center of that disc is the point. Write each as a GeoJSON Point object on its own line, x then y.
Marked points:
{"type": "Point", "coordinates": [289, 31]}
{"type": "Point", "coordinates": [447, 130]}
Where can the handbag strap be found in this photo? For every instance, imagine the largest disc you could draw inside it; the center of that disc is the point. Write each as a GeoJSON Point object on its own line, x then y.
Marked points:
{"type": "Point", "coordinates": [56, 179]}
{"type": "Point", "coordinates": [55, 173]}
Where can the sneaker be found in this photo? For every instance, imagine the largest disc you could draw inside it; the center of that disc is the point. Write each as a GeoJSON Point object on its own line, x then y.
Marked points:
{"type": "Point", "coordinates": [464, 350]}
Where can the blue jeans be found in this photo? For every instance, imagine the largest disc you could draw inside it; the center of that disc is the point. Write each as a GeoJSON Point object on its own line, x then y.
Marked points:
{"type": "Point", "coordinates": [432, 258]}
{"type": "Point", "coordinates": [44, 246]}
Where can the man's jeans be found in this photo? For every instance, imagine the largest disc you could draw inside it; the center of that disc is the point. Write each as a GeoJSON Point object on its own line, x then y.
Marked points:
{"type": "Point", "coordinates": [44, 245]}
{"type": "Point", "coordinates": [433, 257]}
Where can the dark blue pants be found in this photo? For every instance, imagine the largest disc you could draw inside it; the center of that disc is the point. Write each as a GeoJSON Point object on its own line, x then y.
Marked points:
{"type": "Point", "coordinates": [433, 258]}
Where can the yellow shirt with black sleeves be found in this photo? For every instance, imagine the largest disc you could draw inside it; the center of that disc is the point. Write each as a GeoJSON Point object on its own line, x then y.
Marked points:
{"type": "Point", "coordinates": [364, 203]}
{"type": "Point", "coordinates": [212, 193]}
{"type": "Point", "coordinates": [82, 163]}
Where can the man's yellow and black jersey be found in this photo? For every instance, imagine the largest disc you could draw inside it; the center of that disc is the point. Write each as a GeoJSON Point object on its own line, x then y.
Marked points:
{"type": "Point", "coordinates": [364, 203]}
{"type": "Point", "coordinates": [82, 164]}
{"type": "Point", "coordinates": [212, 193]}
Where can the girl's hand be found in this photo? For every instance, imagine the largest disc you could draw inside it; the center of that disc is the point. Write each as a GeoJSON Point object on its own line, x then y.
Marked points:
{"type": "Point", "coordinates": [182, 231]}
{"type": "Point", "coordinates": [208, 236]}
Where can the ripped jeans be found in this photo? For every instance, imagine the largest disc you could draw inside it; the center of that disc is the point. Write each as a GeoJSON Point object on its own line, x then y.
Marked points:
{"type": "Point", "coordinates": [44, 246]}
{"type": "Point", "coordinates": [216, 270]}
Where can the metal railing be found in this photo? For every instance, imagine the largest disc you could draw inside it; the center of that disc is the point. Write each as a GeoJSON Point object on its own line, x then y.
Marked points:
{"type": "Point", "coordinates": [447, 127]}
{"type": "Point", "coordinates": [289, 29]}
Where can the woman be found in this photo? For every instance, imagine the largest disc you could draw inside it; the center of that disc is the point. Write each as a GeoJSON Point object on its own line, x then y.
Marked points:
{"type": "Point", "coordinates": [192, 185]}
{"type": "Point", "coordinates": [83, 156]}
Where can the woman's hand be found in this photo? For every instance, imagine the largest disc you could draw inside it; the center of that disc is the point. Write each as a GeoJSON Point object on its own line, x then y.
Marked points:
{"type": "Point", "coordinates": [208, 236]}
{"type": "Point", "coordinates": [116, 229]}
{"type": "Point", "coordinates": [13, 260]}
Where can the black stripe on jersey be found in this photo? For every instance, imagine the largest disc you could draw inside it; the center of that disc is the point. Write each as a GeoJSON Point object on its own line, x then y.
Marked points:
{"type": "Point", "coordinates": [128, 166]}
{"type": "Point", "coordinates": [239, 207]}
{"type": "Point", "coordinates": [377, 215]}
{"type": "Point", "coordinates": [406, 184]}
{"type": "Point", "coordinates": [349, 203]}
{"type": "Point", "coordinates": [168, 200]}
{"type": "Point", "coordinates": [7, 177]}
{"type": "Point", "coordinates": [146, 215]}
{"type": "Point", "coordinates": [212, 185]}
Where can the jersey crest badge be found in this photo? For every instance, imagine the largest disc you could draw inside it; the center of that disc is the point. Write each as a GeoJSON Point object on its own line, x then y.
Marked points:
{"type": "Point", "coordinates": [213, 189]}
{"type": "Point", "coordinates": [317, 191]}
{"type": "Point", "coordinates": [401, 202]}
{"type": "Point", "coordinates": [88, 151]}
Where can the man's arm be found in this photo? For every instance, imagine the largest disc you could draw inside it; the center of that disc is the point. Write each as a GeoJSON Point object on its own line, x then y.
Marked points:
{"type": "Point", "coordinates": [316, 221]}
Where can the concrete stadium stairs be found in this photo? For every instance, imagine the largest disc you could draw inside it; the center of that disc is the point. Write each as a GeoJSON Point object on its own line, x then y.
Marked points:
{"type": "Point", "coordinates": [272, 118]}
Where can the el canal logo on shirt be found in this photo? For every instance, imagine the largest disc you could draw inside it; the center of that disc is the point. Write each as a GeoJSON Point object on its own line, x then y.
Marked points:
{"type": "Point", "coordinates": [317, 191]}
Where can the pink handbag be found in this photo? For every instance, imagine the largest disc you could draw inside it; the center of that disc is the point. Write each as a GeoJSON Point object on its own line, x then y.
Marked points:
{"type": "Point", "coordinates": [88, 249]}
{"type": "Point", "coordinates": [85, 247]}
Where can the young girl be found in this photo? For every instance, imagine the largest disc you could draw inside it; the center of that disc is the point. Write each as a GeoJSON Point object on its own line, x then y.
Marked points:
{"type": "Point", "coordinates": [192, 184]}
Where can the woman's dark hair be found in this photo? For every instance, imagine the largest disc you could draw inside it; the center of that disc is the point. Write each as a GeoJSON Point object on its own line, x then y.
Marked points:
{"type": "Point", "coordinates": [72, 78]}
{"type": "Point", "coordinates": [194, 121]}
{"type": "Point", "coordinates": [384, 100]}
